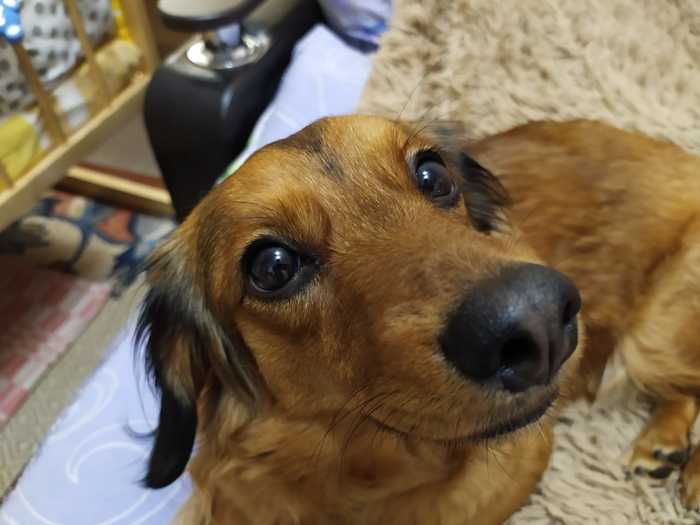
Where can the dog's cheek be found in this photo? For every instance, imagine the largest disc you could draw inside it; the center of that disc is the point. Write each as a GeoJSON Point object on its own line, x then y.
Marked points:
{"type": "Point", "coordinates": [295, 364]}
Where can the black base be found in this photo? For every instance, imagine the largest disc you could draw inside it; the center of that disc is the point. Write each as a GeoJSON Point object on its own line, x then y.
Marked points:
{"type": "Point", "coordinates": [199, 120]}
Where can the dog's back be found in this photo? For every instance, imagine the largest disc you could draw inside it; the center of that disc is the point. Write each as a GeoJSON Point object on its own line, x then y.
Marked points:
{"type": "Point", "coordinates": [620, 213]}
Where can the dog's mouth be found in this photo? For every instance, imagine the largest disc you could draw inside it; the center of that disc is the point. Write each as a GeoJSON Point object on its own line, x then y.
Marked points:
{"type": "Point", "coordinates": [495, 430]}
{"type": "Point", "coordinates": [516, 423]}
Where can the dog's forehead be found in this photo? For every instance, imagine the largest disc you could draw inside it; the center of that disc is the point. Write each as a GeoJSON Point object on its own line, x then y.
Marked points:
{"type": "Point", "coordinates": [353, 150]}
{"type": "Point", "coordinates": [335, 166]}
{"type": "Point", "coordinates": [341, 147]}
{"type": "Point", "coordinates": [347, 135]}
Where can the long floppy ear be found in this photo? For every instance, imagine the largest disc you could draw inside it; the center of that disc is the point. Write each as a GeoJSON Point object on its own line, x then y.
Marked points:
{"type": "Point", "coordinates": [185, 347]}
{"type": "Point", "coordinates": [484, 195]}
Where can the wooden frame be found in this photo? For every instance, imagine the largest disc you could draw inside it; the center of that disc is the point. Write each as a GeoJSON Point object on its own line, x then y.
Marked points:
{"type": "Point", "coordinates": [118, 190]}
{"type": "Point", "coordinates": [69, 148]}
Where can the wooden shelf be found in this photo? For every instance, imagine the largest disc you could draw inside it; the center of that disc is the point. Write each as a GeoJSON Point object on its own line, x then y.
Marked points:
{"type": "Point", "coordinates": [117, 190]}
{"type": "Point", "coordinates": [54, 165]}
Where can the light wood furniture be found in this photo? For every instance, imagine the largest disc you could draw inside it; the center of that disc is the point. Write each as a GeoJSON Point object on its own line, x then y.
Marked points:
{"type": "Point", "coordinates": [117, 190]}
{"type": "Point", "coordinates": [69, 148]}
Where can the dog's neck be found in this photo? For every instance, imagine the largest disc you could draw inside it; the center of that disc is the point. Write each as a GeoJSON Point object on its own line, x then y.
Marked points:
{"type": "Point", "coordinates": [313, 468]}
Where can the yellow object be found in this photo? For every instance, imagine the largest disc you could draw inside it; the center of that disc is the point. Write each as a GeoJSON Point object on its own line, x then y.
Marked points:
{"type": "Point", "coordinates": [122, 31]}
{"type": "Point", "coordinates": [19, 145]}
{"type": "Point", "coordinates": [75, 102]}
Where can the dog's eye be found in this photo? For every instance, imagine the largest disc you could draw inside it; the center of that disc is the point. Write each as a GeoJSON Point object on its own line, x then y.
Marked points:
{"type": "Point", "coordinates": [434, 181]}
{"type": "Point", "coordinates": [272, 267]}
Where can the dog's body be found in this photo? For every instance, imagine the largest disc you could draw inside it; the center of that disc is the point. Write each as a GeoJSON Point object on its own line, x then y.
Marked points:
{"type": "Point", "coordinates": [620, 213]}
{"type": "Point", "coordinates": [364, 390]}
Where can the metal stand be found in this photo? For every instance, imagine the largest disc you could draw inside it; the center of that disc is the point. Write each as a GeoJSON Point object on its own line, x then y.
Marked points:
{"type": "Point", "coordinates": [228, 48]}
{"type": "Point", "coordinates": [203, 102]}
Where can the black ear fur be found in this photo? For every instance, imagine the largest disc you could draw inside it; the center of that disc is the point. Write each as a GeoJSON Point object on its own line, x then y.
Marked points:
{"type": "Point", "coordinates": [184, 345]}
{"type": "Point", "coordinates": [162, 323]}
{"type": "Point", "coordinates": [484, 195]}
{"type": "Point", "coordinates": [174, 441]}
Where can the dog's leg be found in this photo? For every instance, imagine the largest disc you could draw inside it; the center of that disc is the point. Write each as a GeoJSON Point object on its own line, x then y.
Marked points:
{"type": "Point", "coordinates": [664, 443]}
{"type": "Point", "coordinates": [662, 355]}
{"type": "Point", "coordinates": [660, 348]}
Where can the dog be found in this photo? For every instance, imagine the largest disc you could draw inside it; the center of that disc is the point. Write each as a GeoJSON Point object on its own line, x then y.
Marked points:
{"type": "Point", "coordinates": [363, 326]}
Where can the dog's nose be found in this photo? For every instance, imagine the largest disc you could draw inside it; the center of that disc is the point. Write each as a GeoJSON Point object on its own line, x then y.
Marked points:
{"type": "Point", "coordinates": [514, 330]}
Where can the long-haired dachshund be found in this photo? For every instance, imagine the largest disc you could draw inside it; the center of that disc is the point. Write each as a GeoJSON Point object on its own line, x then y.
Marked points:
{"type": "Point", "coordinates": [353, 329]}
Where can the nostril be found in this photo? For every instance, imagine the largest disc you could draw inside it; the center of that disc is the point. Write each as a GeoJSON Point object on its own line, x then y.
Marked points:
{"type": "Point", "coordinates": [520, 359]}
{"type": "Point", "coordinates": [518, 351]}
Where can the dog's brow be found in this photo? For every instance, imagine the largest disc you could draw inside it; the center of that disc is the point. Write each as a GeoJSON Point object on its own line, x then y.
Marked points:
{"type": "Point", "coordinates": [311, 142]}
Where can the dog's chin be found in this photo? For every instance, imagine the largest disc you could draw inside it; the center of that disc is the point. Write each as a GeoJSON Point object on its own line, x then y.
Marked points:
{"type": "Point", "coordinates": [519, 421]}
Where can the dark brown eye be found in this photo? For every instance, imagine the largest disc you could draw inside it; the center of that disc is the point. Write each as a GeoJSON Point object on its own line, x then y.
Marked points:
{"type": "Point", "coordinates": [434, 181]}
{"type": "Point", "coordinates": [272, 267]}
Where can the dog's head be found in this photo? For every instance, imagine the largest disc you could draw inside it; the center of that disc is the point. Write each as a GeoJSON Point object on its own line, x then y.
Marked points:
{"type": "Point", "coordinates": [359, 263]}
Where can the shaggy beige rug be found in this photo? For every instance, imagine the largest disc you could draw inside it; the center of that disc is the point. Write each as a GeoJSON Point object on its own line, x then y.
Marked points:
{"type": "Point", "coordinates": [495, 64]}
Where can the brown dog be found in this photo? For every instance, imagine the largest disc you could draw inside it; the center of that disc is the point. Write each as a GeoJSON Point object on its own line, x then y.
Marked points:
{"type": "Point", "coordinates": [350, 321]}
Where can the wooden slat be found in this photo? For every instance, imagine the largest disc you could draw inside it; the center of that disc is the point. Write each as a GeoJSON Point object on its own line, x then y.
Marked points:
{"type": "Point", "coordinates": [95, 71]}
{"type": "Point", "coordinates": [140, 30]}
{"type": "Point", "coordinates": [51, 120]}
{"type": "Point", "coordinates": [49, 170]}
{"type": "Point", "coordinates": [117, 190]}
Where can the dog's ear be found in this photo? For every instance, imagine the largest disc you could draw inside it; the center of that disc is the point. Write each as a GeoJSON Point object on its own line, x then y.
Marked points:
{"type": "Point", "coordinates": [485, 198]}
{"type": "Point", "coordinates": [185, 348]}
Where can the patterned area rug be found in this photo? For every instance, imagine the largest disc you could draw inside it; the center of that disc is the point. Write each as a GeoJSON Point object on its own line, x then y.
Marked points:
{"type": "Point", "coordinates": [43, 311]}
{"type": "Point", "coordinates": [58, 266]}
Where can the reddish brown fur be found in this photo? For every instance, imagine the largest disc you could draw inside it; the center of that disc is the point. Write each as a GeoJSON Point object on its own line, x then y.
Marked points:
{"type": "Point", "coordinates": [357, 346]}
{"type": "Point", "coordinates": [620, 213]}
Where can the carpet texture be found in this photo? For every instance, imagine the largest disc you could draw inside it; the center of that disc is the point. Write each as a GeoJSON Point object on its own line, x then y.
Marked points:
{"type": "Point", "coordinates": [42, 312]}
{"type": "Point", "coordinates": [24, 432]}
{"type": "Point", "coordinates": [631, 63]}
{"type": "Point", "coordinates": [493, 65]}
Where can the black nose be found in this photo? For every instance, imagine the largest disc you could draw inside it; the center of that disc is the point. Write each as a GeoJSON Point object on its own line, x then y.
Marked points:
{"type": "Point", "coordinates": [514, 330]}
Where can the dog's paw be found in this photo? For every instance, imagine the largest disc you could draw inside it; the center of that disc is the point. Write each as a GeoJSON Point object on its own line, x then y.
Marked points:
{"type": "Point", "coordinates": [657, 453]}
{"type": "Point", "coordinates": [664, 444]}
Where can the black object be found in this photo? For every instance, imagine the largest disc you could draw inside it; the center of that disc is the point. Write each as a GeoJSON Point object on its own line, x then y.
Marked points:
{"type": "Point", "coordinates": [198, 120]}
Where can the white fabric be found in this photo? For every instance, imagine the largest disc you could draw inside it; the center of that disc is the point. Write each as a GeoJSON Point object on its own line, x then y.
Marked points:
{"type": "Point", "coordinates": [88, 469]}
{"type": "Point", "coordinates": [326, 77]}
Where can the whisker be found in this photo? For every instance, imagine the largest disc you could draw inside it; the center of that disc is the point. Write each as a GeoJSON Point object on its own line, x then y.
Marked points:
{"type": "Point", "coordinates": [410, 96]}
{"type": "Point", "coordinates": [336, 420]}
{"type": "Point", "coordinates": [362, 418]}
